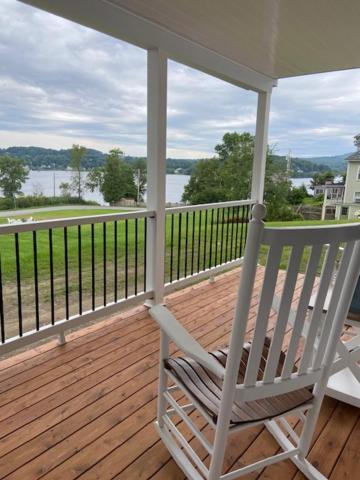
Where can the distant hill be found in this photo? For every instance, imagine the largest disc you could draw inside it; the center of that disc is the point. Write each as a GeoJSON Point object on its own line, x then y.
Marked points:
{"type": "Point", "coordinates": [334, 162]}
{"type": "Point", "coordinates": [306, 167]}
{"type": "Point", "coordinates": [37, 158]}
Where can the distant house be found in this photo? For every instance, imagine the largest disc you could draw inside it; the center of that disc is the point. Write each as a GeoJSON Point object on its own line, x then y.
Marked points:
{"type": "Point", "coordinates": [333, 191]}
{"type": "Point", "coordinates": [350, 206]}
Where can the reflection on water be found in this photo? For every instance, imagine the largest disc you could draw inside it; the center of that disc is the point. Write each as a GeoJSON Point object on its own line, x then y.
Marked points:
{"type": "Point", "coordinates": [48, 181]}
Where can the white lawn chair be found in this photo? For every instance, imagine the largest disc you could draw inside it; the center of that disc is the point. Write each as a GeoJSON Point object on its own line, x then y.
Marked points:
{"type": "Point", "coordinates": [258, 382]}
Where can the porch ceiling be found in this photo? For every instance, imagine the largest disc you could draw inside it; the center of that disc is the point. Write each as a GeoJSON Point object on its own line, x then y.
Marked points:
{"type": "Point", "coordinates": [277, 38]}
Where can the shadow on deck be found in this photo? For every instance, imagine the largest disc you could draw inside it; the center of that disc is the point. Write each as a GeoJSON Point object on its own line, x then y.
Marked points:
{"type": "Point", "coordinates": [86, 409]}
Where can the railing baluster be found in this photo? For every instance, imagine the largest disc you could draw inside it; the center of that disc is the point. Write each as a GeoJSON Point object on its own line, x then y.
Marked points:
{"type": "Point", "coordinates": [115, 263]}
{"type": "Point", "coordinates": [186, 242]}
{"type": "Point", "coordinates": [126, 258]}
{"type": "Point", "coordinates": [92, 266]}
{"type": "Point", "coordinates": [104, 263]}
{"type": "Point", "coordinates": [211, 237]}
{"type": "Point", "coordinates": [205, 237]}
{"type": "Point", "coordinates": [136, 256]}
{"type": "Point", "coordinates": [145, 247]}
{"type": "Point", "coordinates": [199, 243]}
{"type": "Point", "coordinates": [227, 234]}
{"type": "Point", "coordinates": [232, 234]}
{"type": "Point", "coordinates": [217, 235]}
{"type": "Point", "coordinates": [80, 270]}
{"type": "Point", "coordinates": [18, 283]}
{"type": "Point", "coordinates": [2, 318]}
{"type": "Point", "coordinates": [52, 290]}
{"type": "Point", "coordinates": [242, 231]}
{"type": "Point", "coordinates": [193, 244]}
{"type": "Point", "coordinates": [36, 282]}
{"type": "Point", "coordinates": [179, 246]}
{"type": "Point", "coordinates": [237, 231]}
{"type": "Point", "coordinates": [247, 222]}
{"type": "Point", "coordinates": [171, 248]}
{"type": "Point", "coordinates": [66, 267]}
{"type": "Point", "coordinates": [222, 235]}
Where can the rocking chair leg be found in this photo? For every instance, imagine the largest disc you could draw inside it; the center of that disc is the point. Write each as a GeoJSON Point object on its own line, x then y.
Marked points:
{"type": "Point", "coordinates": [307, 469]}
{"type": "Point", "coordinates": [218, 454]}
{"type": "Point", "coordinates": [309, 428]}
{"type": "Point", "coordinates": [164, 354]}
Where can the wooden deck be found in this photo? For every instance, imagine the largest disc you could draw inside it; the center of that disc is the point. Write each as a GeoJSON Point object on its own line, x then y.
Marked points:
{"type": "Point", "coordinates": [86, 409]}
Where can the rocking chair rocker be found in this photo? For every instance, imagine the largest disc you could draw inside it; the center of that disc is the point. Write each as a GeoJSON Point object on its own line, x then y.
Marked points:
{"type": "Point", "coordinates": [258, 381]}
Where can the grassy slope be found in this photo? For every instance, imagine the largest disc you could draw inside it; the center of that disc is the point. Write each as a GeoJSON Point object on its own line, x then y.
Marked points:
{"type": "Point", "coordinates": [198, 260]}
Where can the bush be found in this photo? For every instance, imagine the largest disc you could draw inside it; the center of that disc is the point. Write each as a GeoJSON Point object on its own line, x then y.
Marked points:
{"type": "Point", "coordinates": [41, 201]}
{"type": "Point", "coordinates": [283, 213]}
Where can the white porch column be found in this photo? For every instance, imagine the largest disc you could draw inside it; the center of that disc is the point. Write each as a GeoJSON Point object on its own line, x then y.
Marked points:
{"type": "Point", "coordinates": [261, 141]}
{"type": "Point", "coordinates": [156, 169]}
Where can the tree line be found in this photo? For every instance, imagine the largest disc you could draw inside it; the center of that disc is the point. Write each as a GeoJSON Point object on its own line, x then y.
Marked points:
{"type": "Point", "coordinates": [115, 178]}
{"type": "Point", "coordinates": [225, 177]}
{"type": "Point", "coordinates": [38, 158]}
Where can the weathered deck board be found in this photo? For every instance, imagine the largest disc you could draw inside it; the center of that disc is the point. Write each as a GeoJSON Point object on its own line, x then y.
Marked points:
{"type": "Point", "coordinates": [86, 409]}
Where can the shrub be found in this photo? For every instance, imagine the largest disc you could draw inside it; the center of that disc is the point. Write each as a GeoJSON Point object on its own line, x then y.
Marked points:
{"type": "Point", "coordinates": [28, 201]}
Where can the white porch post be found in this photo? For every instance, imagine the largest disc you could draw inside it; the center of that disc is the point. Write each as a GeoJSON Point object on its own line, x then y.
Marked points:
{"type": "Point", "coordinates": [156, 169]}
{"type": "Point", "coordinates": [261, 141]}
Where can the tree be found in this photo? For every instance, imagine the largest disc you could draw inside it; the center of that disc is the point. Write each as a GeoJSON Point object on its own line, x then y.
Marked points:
{"type": "Point", "coordinates": [77, 155]}
{"type": "Point", "coordinates": [320, 178]}
{"type": "Point", "coordinates": [357, 141]}
{"type": "Point", "coordinates": [229, 176]}
{"type": "Point", "coordinates": [140, 177]}
{"type": "Point", "coordinates": [297, 194]}
{"type": "Point", "coordinates": [115, 179]}
{"type": "Point", "coordinates": [13, 174]}
{"type": "Point", "coordinates": [65, 189]}
{"type": "Point", "coordinates": [205, 184]}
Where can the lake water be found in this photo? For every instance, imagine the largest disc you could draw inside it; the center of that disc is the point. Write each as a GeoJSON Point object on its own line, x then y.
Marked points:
{"type": "Point", "coordinates": [48, 183]}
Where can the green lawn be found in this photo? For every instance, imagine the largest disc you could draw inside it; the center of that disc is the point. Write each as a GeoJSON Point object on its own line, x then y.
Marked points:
{"type": "Point", "coordinates": [206, 244]}
{"type": "Point", "coordinates": [54, 214]}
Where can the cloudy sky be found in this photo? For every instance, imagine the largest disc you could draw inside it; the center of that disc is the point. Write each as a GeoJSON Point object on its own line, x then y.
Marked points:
{"type": "Point", "coordinates": [61, 83]}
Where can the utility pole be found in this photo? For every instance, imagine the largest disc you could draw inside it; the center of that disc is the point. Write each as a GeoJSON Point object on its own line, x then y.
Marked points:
{"type": "Point", "coordinates": [288, 164]}
{"type": "Point", "coordinates": [323, 210]}
{"type": "Point", "coordinates": [138, 186]}
{"type": "Point", "coordinates": [54, 184]}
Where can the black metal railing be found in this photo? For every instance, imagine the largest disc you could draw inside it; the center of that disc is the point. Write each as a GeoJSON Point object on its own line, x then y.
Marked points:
{"type": "Point", "coordinates": [64, 270]}
{"type": "Point", "coordinates": [58, 270]}
{"type": "Point", "coordinates": [199, 238]}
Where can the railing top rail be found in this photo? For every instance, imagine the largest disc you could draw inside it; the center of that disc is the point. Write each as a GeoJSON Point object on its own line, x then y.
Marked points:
{"type": "Point", "coordinates": [209, 206]}
{"type": "Point", "coordinates": [73, 221]}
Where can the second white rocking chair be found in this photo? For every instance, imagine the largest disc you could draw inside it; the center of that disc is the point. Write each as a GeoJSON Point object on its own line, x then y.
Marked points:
{"type": "Point", "coordinates": [259, 381]}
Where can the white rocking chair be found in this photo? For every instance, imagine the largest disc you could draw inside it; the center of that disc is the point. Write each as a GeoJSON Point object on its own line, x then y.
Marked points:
{"type": "Point", "coordinates": [344, 382]}
{"type": "Point", "coordinates": [258, 382]}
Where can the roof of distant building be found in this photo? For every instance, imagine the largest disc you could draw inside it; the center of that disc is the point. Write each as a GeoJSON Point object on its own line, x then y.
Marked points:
{"type": "Point", "coordinates": [355, 157]}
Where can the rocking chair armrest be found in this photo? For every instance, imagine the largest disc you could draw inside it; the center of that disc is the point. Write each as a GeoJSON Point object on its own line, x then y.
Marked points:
{"type": "Point", "coordinates": [182, 338]}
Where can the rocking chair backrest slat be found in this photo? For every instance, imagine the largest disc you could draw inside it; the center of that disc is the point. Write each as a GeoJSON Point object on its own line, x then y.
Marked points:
{"type": "Point", "coordinates": [310, 275]}
{"type": "Point", "coordinates": [335, 298]}
{"type": "Point", "coordinates": [325, 281]}
{"type": "Point", "coordinates": [276, 368]}
{"type": "Point", "coordinates": [267, 295]}
{"type": "Point", "coordinates": [283, 315]}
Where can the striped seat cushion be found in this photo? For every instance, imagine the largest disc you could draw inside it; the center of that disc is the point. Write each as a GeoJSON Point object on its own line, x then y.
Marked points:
{"type": "Point", "coordinates": [206, 387]}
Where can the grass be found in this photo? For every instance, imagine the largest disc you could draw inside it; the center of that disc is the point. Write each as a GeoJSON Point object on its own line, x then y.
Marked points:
{"type": "Point", "coordinates": [193, 243]}
{"type": "Point", "coordinates": [55, 214]}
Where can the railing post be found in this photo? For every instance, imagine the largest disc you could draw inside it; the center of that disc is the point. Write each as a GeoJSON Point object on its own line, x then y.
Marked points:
{"type": "Point", "coordinates": [156, 170]}
{"type": "Point", "coordinates": [260, 148]}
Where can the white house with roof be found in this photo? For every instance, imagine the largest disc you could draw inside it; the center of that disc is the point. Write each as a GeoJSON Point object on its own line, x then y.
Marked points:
{"type": "Point", "coordinates": [350, 206]}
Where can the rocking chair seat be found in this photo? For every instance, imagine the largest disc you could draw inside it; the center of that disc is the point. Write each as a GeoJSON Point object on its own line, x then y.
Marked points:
{"type": "Point", "coordinates": [206, 388]}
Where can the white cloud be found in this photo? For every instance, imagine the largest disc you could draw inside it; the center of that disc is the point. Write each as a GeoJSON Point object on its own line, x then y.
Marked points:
{"type": "Point", "coordinates": [61, 83]}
